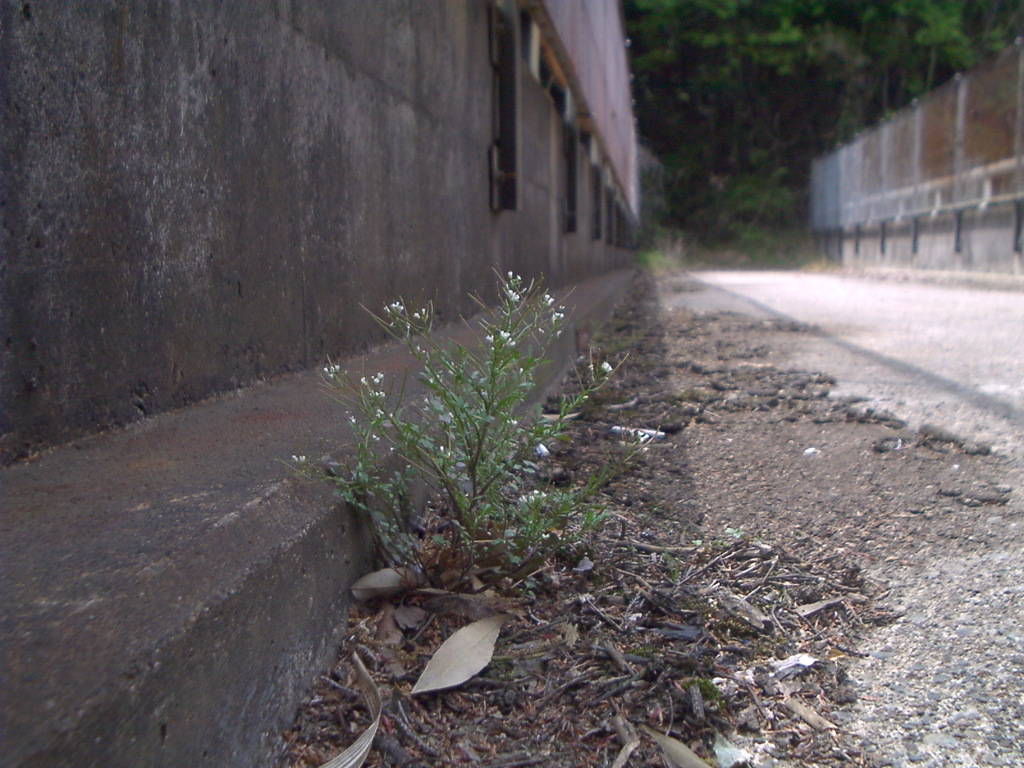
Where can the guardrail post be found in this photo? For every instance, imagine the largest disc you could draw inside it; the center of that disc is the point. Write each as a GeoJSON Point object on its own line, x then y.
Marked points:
{"type": "Point", "coordinates": [958, 144]}
{"type": "Point", "coordinates": [1018, 171]}
{"type": "Point", "coordinates": [918, 128]}
{"type": "Point", "coordinates": [1018, 133]}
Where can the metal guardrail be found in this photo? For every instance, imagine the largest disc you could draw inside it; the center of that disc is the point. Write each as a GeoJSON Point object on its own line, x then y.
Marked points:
{"type": "Point", "coordinates": [960, 147]}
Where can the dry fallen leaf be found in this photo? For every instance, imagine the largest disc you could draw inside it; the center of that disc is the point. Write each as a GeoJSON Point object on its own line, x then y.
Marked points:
{"type": "Point", "coordinates": [628, 738]}
{"type": "Point", "coordinates": [570, 635]}
{"type": "Point", "coordinates": [460, 656]}
{"type": "Point", "coordinates": [729, 755]}
{"type": "Point", "coordinates": [586, 564]}
{"type": "Point", "coordinates": [739, 608]}
{"type": "Point", "coordinates": [675, 751]}
{"type": "Point", "coordinates": [388, 632]}
{"type": "Point", "coordinates": [555, 417]}
{"type": "Point", "coordinates": [354, 756]}
{"type": "Point", "coordinates": [803, 611]}
{"type": "Point", "coordinates": [385, 583]}
{"type": "Point", "coordinates": [409, 617]}
{"type": "Point", "coordinates": [808, 715]}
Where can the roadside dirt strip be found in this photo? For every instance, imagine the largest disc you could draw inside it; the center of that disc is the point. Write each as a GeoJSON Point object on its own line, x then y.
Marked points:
{"type": "Point", "coordinates": [787, 577]}
{"type": "Point", "coordinates": [943, 685]}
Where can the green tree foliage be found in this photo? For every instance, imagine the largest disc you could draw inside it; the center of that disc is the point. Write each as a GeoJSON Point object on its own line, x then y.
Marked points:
{"type": "Point", "coordinates": [737, 96]}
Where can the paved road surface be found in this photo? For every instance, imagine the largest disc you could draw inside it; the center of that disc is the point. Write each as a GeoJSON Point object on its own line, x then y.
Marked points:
{"type": "Point", "coordinates": [947, 355]}
{"type": "Point", "coordinates": [943, 686]}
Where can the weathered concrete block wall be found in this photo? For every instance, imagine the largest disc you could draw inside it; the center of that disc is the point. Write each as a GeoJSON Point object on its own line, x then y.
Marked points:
{"type": "Point", "coordinates": [197, 195]}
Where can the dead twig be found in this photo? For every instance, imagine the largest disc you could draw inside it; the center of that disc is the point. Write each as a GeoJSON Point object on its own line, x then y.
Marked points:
{"type": "Point", "coordinates": [588, 601]}
{"type": "Point", "coordinates": [616, 656]}
{"type": "Point", "coordinates": [628, 737]}
{"type": "Point", "coordinates": [574, 683]}
{"type": "Point", "coordinates": [653, 549]}
{"type": "Point", "coordinates": [518, 762]}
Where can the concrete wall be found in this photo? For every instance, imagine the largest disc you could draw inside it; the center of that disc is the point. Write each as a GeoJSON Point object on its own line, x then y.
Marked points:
{"type": "Point", "coordinates": [982, 241]}
{"type": "Point", "coordinates": [198, 195]}
{"type": "Point", "coordinates": [585, 32]}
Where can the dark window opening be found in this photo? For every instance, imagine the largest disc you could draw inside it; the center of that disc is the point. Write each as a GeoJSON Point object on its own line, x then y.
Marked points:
{"type": "Point", "coordinates": [558, 96]}
{"type": "Point", "coordinates": [571, 150]}
{"type": "Point", "coordinates": [495, 31]}
{"type": "Point", "coordinates": [958, 243]}
{"type": "Point", "coordinates": [504, 152]}
{"type": "Point", "coordinates": [609, 230]}
{"type": "Point", "coordinates": [525, 30]}
{"type": "Point", "coordinates": [546, 76]}
{"type": "Point", "coordinates": [570, 142]}
{"type": "Point", "coordinates": [915, 236]}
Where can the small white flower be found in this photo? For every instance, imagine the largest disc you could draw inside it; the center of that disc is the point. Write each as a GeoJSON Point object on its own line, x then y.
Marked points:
{"type": "Point", "coordinates": [506, 336]}
{"type": "Point", "coordinates": [606, 367]}
{"type": "Point", "coordinates": [298, 459]}
{"type": "Point", "coordinates": [363, 381]}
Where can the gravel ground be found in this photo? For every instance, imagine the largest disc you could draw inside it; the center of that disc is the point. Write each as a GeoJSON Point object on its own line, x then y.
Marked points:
{"type": "Point", "coordinates": [944, 684]}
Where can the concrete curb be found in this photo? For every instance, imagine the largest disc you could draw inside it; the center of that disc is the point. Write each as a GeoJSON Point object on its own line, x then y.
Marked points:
{"type": "Point", "coordinates": [168, 590]}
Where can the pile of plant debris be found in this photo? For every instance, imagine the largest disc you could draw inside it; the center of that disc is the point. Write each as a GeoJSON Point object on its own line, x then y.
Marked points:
{"type": "Point", "coordinates": [661, 640]}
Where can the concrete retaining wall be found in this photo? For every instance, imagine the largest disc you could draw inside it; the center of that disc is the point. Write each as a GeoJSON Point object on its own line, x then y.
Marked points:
{"type": "Point", "coordinates": [199, 195]}
{"type": "Point", "coordinates": [973, 241]}
{"type": "Point", "coordinates": [195, 197]}
{"type": "Point", "coordinates": [169, 590]}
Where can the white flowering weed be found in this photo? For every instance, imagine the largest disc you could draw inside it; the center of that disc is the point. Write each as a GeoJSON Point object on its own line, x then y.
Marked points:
{"type": "Point", "coordinates": [472, 441]}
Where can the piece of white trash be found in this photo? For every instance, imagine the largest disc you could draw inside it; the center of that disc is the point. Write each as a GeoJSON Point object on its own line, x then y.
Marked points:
{"type": "Point", "coordinates": [640, 435]}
